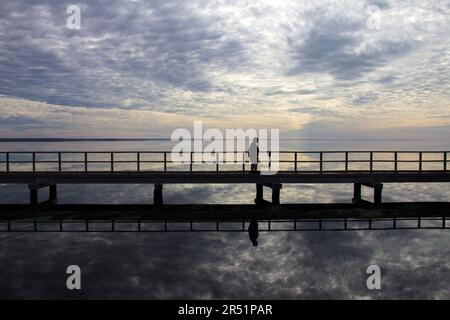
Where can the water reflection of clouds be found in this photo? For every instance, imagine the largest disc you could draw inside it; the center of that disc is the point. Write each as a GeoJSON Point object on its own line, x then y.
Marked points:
{"type": "Point", "coordinates": [225, 265]}
{"type": "Point", "coordinates": [211, 265]}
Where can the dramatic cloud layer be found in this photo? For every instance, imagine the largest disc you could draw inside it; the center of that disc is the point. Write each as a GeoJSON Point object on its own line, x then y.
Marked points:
{"type": "Point", "coordinates": [339, 64]}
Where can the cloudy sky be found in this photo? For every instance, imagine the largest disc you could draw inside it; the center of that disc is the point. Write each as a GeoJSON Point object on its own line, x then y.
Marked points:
{"type": "Point", "coordinates": [142, 68]}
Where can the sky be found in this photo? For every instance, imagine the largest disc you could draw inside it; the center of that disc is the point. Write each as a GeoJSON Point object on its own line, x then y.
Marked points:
{"type": "Point", "coordinates": [313, 69]}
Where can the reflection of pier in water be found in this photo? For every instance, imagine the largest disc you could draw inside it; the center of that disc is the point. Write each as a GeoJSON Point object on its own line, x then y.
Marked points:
{"type": "Point", "coordinates": [223, 218]}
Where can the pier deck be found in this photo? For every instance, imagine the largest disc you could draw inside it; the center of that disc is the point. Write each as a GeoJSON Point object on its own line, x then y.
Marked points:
{"type": "Point", "coordinates": [182, 177]}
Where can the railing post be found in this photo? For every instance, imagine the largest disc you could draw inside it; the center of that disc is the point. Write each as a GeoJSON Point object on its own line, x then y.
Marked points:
{"type": "Point", "coordinates": [190, 165]}
{"type": "Point", "coordinates": [59, 162]}
{"type": "Point", "coordinates": [7, 162]}
{"type": "Point", "coordinates": [371, 161]}
{"type": "Point", "coordinates": [270, 160]}
{"type": "Point", "coordinates": [346, 161]}
{"type": "Point", "coordinates": [34, 161]}
{"type": "Point", "coordinates": [138, 159]}
{"type": "Point", "coordinates": [85, 162]}
{"type": "Point", "coordinates": [321, 162]}
{"type": "Point", "coordinates": [243, 162]}
{"type": "Point", "coordinates": [165, 161]}
{"type": "Point", "coordinates": [420, 161]}
{"type": "Point", "coordinates": [217, 161]}
{"type": "Point", "coordinates": [112, 161]}
{"type": "Point", "coordinates": [295, 162]}
{"type": "Point", "coordinates": [445, 161]}
{"type": "Point", "coordinates": [395, 161]}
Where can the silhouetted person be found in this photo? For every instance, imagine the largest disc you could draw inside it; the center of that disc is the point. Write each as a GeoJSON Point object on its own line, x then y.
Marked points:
{"type": "Point", "coordinates": [253, 232]}
{"type": "Point", "coordinates": [253, 151]}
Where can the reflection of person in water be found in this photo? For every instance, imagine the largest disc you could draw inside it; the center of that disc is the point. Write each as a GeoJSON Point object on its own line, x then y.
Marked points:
{"type": "Point", "coordinates": [253, 232]}
{"type": "Point", "coordinates": [253, 154]}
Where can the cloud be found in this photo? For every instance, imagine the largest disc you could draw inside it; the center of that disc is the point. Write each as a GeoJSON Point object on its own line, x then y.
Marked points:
{"type": "Point", "coordinates": [339, 42]}
{"type": "Point", "coordinates": [42, 119]}
{"type": "Point", "coordinates": [228, 58]}
{"type": "Point", "coordinates": [124, 49]}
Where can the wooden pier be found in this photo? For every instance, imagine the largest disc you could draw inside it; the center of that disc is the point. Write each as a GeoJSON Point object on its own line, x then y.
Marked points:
{"type": "Point", "coordinates": [46, 169]}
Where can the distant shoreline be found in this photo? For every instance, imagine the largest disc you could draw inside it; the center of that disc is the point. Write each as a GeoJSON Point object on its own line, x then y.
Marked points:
{"type": "Point", "coordinates": [168, 139]}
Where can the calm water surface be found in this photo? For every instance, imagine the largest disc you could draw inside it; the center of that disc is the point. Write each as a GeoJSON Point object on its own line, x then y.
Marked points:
{"type": "Point", "coordinates": [289, 265]}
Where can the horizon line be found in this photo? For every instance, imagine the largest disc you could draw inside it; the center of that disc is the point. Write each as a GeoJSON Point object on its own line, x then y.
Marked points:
{"type": "Point", "coordinates": [192, 139]}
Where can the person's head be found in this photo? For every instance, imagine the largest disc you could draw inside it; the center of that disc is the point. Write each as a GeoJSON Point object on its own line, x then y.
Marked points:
{"type": "Point", "coordinates": [255, 140]}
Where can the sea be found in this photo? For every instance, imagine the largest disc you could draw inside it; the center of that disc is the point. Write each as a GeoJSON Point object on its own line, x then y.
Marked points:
{"type": "Point", "coordinates": [414, 264]}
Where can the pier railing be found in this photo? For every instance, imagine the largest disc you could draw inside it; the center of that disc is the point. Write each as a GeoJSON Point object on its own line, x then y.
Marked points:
{"type": "Point", "coordinates": [217, 225]}
{"type": "Point", "coordinates": [160, 161]}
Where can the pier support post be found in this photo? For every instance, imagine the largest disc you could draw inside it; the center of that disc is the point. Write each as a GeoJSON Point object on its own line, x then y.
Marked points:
{"type": "Point", "coordinates": [52, 193]}
{"type": "Point", "coordinates": [276, 188]}
{"type": "Point", "coordinates": [259, 193]}
{"type": "Point", "coordinates": [33, 196]}
{"type": "Point", "coordinates": [158, 195]}
{"type": "Point", "coordinates": [377, 193]}
{"type": "Point", "coordinates": [34, 189]}
{"type": "Point", "coordinates": [356, 192]}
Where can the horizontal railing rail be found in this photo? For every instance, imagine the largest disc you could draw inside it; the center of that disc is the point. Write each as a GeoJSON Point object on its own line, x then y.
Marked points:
{"type": "Point", "coordinates": [299, 161]}
{"type": "Point", "coordinates": [236, 225]}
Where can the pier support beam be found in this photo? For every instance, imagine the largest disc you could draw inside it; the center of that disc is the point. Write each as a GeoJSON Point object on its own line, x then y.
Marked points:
{"type": "Point", "coordinates": [52, 193]}
{"type": "Point", "coordinates": [259, 194]}
{"type": "Point", "coordinates": [377, 192]}
{"type": "Point", "coordinates": [34, 197]}
{"type": "Point", "coordinates": [276, 188]}
{"type": "Point", "coordinates": [158, 195]}
{"type": "Point", "coordinates": [356, 192]}
{"type": "Point", "coordinates": [34, 189]}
